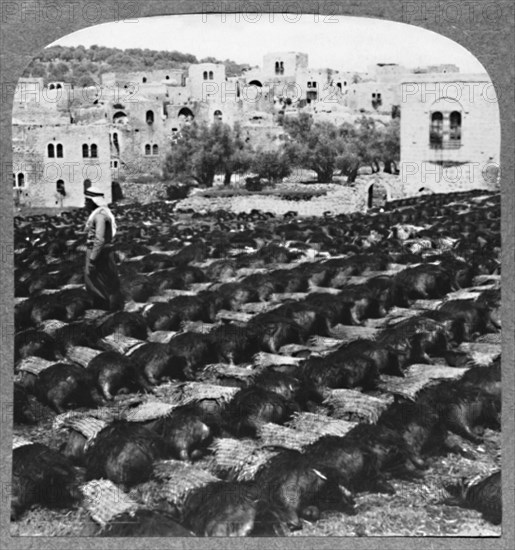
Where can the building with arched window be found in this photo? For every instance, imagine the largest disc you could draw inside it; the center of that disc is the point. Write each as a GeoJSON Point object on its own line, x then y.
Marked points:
{"type": "Point", "coordinates": [450, 133]}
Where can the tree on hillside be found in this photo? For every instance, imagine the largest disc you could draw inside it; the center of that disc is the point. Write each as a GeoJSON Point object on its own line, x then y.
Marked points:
{"type": "Point", "coordinates": [368, 143]}
{"type": "Point", "coordinates": [314, 145]}
{"type": "Point", "coordinates": [240, 160]}
{"type": "Point", "coordinates": [101, 59]}
{"type": "Point", "coordinates": [390, 145]}
{"type": "Point", "coordinates": [271, 165]}
{"type": "Point", "coordinates": [202, 151]}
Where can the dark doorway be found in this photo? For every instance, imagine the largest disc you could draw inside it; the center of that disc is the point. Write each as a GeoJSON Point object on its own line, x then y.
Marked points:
{"type": "Point", "coordinates": [377, 195]}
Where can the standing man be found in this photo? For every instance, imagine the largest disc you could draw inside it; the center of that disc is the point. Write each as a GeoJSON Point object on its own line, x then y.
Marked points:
{"type": "Point", "coordinates": [100, 274]}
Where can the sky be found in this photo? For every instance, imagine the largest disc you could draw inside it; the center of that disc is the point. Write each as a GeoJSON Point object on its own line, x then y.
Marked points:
{"type": "Point", "coordinates": [348, 43]}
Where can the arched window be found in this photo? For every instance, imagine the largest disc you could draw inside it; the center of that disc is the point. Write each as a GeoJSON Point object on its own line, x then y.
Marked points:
{"type": "Point", "coordinates": [211, 75]}
{"type": "Point", "coordinates": [167, 77]}
{"type": "Point", "coordinates": [58, 87]}
{"type": "Point", "coordinates": [87, 184]}
{"type": "Point", "coordinates": [120, 118]}
{"type": "Point", "coordinates": [144, 80]}
{"type": "Point", "coordinates": [186, 113]}
{"type": "Point", "coordinates": [60, 187]}
{"type": "Point", "coordinates": [147, 149]}
{"type": "Point", "coordinates": [218, 115]}
{"type": "Point", "coordinates": [14, 179]}
{"type": "Point", "coordinates": [281, 68]}
{"type": "Point", "coordinates": [150, 117]}
{"type": "Point", "coordinates": [94, 151]}
{"type": "Point", "coordinates": [51, 87]}
{"type": "Point", "coordinates": [51, 151]}
{"type": "Point", "coordinates": [204, 75]}
{"type": "Point", "coordinates": [455, 128]}
{"type": "Point", "coordinates": [85, 151]}
{"type": "Point", "coordinates": [436, 131]}
{"type": "Point", "coordinates": [115, 141]}
{"type": "Point", "coordinates": [21, 179]}
{"type": "Point", "coordinates": [277, 69]}
{"type": "Point", "coordinates": [155, 149]}
{"type": "Point", "coordinates": [59, 151]}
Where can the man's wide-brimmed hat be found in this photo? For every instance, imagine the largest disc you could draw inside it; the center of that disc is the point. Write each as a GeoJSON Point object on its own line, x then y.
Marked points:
{"type": "Point", "coordinates": [96, 195]}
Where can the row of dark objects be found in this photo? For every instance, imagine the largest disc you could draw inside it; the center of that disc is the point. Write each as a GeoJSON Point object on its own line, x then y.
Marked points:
{"type": "Point", "coordinates": [292, 485]}
{"type": "Point", "coordinates": [167, 262]}
{"type": "Point", "coordinates": [292, 322]}
{"type": "Point", "coordinates": [184, 357]}
{"type": "Point", "coordinates": [352, 218]}
{"type": "Point", "coordinates": [257, 400]}
{"type": "Point", "coordinates": [436, 281]}
{"type": "Point", "coordinates": [440, 198]}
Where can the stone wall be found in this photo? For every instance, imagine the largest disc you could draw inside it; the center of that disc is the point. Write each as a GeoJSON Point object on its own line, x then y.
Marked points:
{"type": "Point", "coordinates": [144, 193]}
{"type": "Point", "coordinates": [339, 199]}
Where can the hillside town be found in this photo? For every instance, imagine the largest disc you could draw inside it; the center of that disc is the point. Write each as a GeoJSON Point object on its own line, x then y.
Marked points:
{"type": "Point", "coordinates": [66, 137]}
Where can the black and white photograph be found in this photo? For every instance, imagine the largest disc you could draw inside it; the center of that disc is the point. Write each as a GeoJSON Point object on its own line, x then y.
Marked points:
{"type": "Point", "coordinates": [257, 281]}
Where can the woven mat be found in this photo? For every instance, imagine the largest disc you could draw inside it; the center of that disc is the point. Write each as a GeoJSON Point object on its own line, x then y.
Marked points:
{"type": "Point", "coordinates": [354, 406]}
{"type": "Point", "coordinates": [324, 290]}
{"type": "Point", "coordinates": [51, 326]}
{"type": "Point", "coordinates": [122, 344]}
{"type": "Point", "coordinates": [190, 392]}
{"type": "Point", "coordinates": [172, 480]}
{"type": "Point", "coordinates": [81, 355]}
{"type": "Point", "coordinates": [427, 304]}
{"type": "Point", "coordinates": [417, 377]}
{"type": "Point", "coordinates": [486, 279]}
{"type": "Point", "coordinates": [161, 336]}
{"type": "Point", "coordinates": [94, 314]}
{"type": "Point", "coordinates": [225, 370]}
{"type": "Point", "coordinates": [196, 326]}
{"type": "Point", "coordinates": [283, 296]}
{"type": "Point", "coordinates": [156, 299]}
{"type": "Point", "coordinates": [20, 441]}
{"type": "Point", "coordinates": [493, 338]}
{"type": "Point", "coordinates": [34, 364]}
{"type": "Point", "coordinates": [149, 410]}
{"type": "Point", "coordinates": [346, 333]}
{"type": "Point", "coordinates": [135, 307]}
{"type": "Point", "coordinates": [104, 500]}
{"type": "Point", "coordinates": [238, 459]}
{"type": "Point", "coordinates": [464, 294]}
{"type": "Point", "coordinates": [264, 359]}
{"type": "Point", "coordinates": [88, 426]}
{"type": "Point", "coordinates": [272, 435]}
{"type": "Point", "coordinates": [480, 353]}
{"type": "Point", "coordinates": [225, 314]}
{"type": "Point", "coordinates": [319, 423]}
{"type": "Point", "coordinates": [257, 307]}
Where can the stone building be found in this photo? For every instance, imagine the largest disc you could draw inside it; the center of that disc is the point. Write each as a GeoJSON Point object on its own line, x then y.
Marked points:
{"type": "Point", "coordinates": [53, 164]}
{"type": "Point", "coordinates": [450, 133]}
{"type": "Point", "coordinates": [377, 91]}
